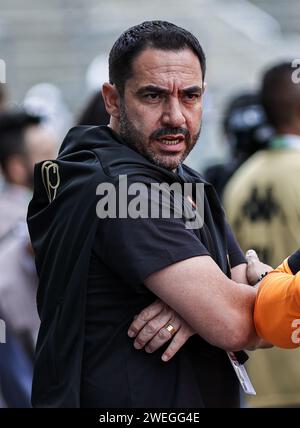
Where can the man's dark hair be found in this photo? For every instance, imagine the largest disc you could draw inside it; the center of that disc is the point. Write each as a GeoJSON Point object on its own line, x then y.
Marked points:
{"type": "Point", "coordinates": [150, 34]}
{"type": "Point", "coordinates": [279, 95]}
{"type": "Point", "coordinates": [12, 127]}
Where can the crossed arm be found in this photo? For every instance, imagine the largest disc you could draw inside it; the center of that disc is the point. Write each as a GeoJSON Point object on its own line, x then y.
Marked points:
{"type": "Point", "coordinates": [203, 301]}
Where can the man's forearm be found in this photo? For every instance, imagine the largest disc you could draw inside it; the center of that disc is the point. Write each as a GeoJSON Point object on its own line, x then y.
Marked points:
{"type": "Point", "coordinates": [239, 274]}
{"type": "Point", "coordinates": [217, 308]}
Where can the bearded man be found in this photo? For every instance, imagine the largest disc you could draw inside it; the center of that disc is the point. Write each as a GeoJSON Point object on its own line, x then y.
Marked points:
{"type": "Point", "coordinates": [98, 271]}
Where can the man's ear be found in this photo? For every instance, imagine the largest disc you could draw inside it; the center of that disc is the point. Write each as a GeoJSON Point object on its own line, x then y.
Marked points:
{"type": "Point", "coordinates": [111, 100]}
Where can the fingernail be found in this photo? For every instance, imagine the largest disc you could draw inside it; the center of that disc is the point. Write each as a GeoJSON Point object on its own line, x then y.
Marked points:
{"type": "Point", "coordinates": [148, 350]}
{"type": "Point", "coordinates": [137, 345]}
{"type": "Point", "coordinates": [250, 253]}
{"type": "Point", "coordinates": [164, 358]}
{"type": "Point", "coordinates": [130, 333]}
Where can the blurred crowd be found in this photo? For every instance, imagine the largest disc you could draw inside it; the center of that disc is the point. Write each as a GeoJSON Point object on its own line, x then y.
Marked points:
{"type": "Point", "coordinates": [258, 185]}
{"type": "Point", "coordinates": [28, 134]}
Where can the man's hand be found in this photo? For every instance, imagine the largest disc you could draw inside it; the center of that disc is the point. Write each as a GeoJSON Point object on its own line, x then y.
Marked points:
{"type": "Point", "coordinates": [150, 329]}
{"type": "Point", "coordinates": [255, 268]}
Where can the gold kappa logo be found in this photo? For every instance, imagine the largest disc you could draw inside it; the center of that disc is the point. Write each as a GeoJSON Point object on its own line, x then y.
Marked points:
{"type": "Point", "coordinates": [51, 179]}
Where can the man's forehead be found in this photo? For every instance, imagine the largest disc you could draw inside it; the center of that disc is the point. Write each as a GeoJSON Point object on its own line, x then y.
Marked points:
{"type": "Point", "coordinates": [158, 65]}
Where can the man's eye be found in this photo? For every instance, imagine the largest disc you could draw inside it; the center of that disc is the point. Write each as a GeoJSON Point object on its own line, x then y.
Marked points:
{"type": "Point", "coordinates": [152, 97]}
{"type": "Point", "coordinates": [192, 97]}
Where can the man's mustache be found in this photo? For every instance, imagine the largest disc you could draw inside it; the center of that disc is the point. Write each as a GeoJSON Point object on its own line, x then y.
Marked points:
{"type": "Point", "coordinates": [169, 131]}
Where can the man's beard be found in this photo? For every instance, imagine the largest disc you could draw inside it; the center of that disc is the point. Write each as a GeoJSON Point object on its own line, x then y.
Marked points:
{"type": "Point", "coordinates": [137, 141]}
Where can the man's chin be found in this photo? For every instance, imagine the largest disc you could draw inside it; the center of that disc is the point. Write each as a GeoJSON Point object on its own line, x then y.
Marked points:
{"type": "Point", "coordinates": [168, 162]}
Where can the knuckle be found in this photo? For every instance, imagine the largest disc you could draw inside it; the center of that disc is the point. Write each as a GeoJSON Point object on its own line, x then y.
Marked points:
{"type": "Point", "coordinates": [159, 304]}
{"type": "Point", "coordinates": [169, 353]}
{"type": "Point", "coordinates": [150, 327]}
{"type": "Point", "coordinates": [172, 314]}
{"type": "Point", "coordinates": [150, 347]}
{"type": "Point", "coordinates": [178, 340]}
{"type": "Point", "coordinates": [134, 328]}
{"type": "Point", "coordinates": [144, 315]}
{"type": "Point", "coordinates": [173, 348]}
{"type": "Point", "coordinates": [163, 334]}
{"type": "Point", "coordinates": [175, 321]}
{"type": "Point", "coordinates": [184, 331]}
{"type": "Point", "coordinates": [168, 311]}
{"type": "Point", "coordinates": [139, 340]}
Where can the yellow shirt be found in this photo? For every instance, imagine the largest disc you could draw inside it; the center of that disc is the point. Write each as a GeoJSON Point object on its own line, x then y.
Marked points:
{"type": "Point", "coordinates": [262, 204]}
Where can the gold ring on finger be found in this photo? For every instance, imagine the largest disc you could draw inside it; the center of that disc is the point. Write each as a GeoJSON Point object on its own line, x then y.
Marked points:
{"type": "Point", "coordinates": [171, 329]}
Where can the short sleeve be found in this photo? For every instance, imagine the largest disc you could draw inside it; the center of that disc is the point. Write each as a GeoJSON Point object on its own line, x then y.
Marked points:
{"type": "Point", "coordinates": [134, 248]}
{"type": "Point", "coordinates": [236, 255]}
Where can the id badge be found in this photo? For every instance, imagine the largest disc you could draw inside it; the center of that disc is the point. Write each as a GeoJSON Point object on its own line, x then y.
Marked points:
{"type": "Point", "coordinates": [242, 374]}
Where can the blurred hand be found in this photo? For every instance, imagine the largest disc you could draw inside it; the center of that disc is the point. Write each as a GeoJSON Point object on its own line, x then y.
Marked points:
{"type": "Point", "coordinates": [149, 329]}
{"type": "Point", "coordinates": [255, 268]}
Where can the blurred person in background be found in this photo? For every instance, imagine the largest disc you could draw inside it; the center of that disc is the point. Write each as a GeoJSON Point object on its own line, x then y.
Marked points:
{"type": "Point", "coordinates": [262, 198]}
{"type": "Point", "coordinates": [3, 106]}
{"type": "Point", "coordinates": [46, 101]}
{"type": "Point", "coordinates": [94, 112]}
{"type": "Point", "coordinates": [246, 131]}
{"type": "Point", "coordinates": [16, 166]}
{"type": "Point", "coordinates": [23, 142]}
{"type": "Point", "coordinates": [2, 97]}
{"type": "Point", "coordinates": [15, 372]}
{"type": "Point", "coordinates": [262, 201]}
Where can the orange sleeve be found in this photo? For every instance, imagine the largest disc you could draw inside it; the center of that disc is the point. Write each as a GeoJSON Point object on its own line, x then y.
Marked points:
{"type": "Point", "coordinates": [277, 307]}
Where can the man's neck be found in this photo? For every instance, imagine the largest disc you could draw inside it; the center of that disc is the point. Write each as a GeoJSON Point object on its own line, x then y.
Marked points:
{"type": "Point", "coordinates": [114, 125]}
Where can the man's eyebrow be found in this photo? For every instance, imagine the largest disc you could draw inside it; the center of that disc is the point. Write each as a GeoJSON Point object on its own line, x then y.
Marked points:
{"type": "Point", "coordinates": [161, 90]}
{"type": "Point", "coordinates": [192, 89]}
{"type": "Point", "coordinates": [152, 88]}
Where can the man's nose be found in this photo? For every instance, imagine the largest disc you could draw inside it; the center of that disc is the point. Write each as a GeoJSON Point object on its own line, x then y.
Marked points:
{"type": "Point", "coordinates": [172, 114]}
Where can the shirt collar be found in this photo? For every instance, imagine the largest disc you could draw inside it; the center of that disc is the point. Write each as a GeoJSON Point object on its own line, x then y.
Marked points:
{"type": "Point", "coordinates": [286, 141]}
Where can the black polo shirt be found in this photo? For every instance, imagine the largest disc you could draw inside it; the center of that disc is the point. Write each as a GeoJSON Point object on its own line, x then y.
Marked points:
{"type": "Point", "coordinates": [124, 254]}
